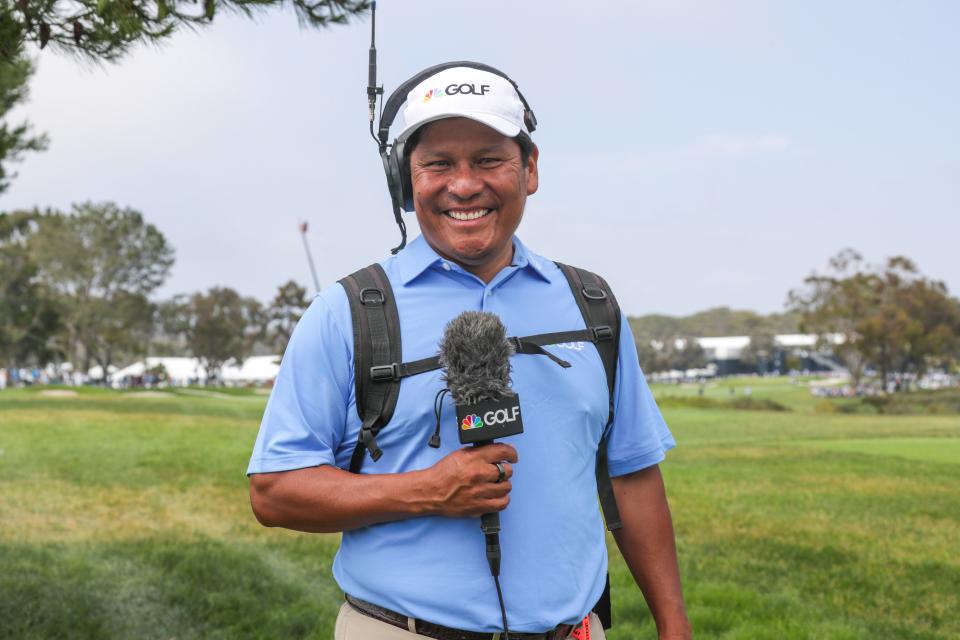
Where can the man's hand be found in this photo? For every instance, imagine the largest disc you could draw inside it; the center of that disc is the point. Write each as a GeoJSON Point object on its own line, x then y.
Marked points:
{"type": "Point", "coordinates": [464, 483]}
{"type": "Point", "coordinates": [328, 499]}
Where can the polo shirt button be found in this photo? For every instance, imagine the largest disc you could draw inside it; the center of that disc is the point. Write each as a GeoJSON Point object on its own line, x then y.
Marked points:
{"type": "Point", "coordinates": [446, 266]}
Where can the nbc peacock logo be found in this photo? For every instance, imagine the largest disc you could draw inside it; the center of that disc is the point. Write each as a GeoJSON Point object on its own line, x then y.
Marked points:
{"type": "Point", "coordinates": [472, 421]}
{"type": "Point", "coordinates": [433, 93]}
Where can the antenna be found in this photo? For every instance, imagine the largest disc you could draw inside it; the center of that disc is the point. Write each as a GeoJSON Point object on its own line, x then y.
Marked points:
{"type": "Point", "coordinates": [313, 270]}
{"type": "Point", "coordinates": [372, 89]}
{"type": "Point", "coordinates": [372, 92]}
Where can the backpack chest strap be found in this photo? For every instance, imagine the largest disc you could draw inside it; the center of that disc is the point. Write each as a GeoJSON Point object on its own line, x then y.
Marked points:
{"type": "Point", "coordinates": [530, 345]}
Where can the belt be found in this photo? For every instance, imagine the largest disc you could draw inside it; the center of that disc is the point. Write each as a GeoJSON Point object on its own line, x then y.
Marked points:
{"type": "Point", "coordinates": [431, 630]}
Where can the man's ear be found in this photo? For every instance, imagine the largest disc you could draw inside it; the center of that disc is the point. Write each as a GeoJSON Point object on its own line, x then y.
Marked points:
{"type": "Point", "coordinates": [533, 178]}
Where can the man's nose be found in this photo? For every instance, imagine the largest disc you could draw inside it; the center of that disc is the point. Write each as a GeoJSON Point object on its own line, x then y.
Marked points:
{"type": "Point", "coordinates": [465, 183]}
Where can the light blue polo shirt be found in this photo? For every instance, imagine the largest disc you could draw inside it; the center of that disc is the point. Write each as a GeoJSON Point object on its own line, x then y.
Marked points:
{"type": "Point", "coordinates": [434, 568]}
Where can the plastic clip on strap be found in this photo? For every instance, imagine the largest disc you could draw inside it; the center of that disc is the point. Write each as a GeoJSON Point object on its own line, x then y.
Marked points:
{"type": "Point", "coordinates": [385, 372]}
{"type": "Point", "coordinates": [601, 333]}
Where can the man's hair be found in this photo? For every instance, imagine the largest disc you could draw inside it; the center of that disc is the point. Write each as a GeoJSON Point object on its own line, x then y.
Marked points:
{"type": "Point", "coordinates": [522, 139]}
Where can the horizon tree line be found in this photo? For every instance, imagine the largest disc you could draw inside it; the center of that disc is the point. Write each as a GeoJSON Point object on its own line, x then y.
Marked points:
{"type": "Point", "coordinates": [79, 287]}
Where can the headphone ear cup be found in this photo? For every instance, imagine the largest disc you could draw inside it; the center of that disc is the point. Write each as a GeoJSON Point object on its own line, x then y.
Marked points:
{"type": "Point", "coordinates": [529, 119]}
{"type": "Point", "coordinates": [402, 169]}
{"type": "Point", "coordinates": [392, 169]}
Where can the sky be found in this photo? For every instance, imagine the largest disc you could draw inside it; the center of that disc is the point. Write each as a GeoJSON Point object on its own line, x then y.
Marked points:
{"type": "Point", "coordinates": [695, 153]}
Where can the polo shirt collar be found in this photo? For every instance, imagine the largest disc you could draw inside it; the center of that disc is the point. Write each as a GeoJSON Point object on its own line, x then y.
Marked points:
{"type": "Point", "coordinates": [524, 258]}
{"type": "Point", "coordinates": [418, 256]}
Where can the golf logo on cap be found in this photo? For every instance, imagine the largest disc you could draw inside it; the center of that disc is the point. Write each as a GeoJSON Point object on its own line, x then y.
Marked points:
{"type": "Point", "coordinates": [453, 89]}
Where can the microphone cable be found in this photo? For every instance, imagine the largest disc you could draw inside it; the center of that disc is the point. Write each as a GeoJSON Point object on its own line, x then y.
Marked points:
{"type": "Point", "coordinates": [490, 525]}
{"type": "Point", "coordinates": [503, 609]}
{"type": "Point", "coordinates": [493, 559]}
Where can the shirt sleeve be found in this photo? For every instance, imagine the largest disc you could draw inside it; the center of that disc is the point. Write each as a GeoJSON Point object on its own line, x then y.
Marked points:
{"type": "Point", "coordinates": [303, 423]}
{"type": "Point", "coordinates": [638, 437]}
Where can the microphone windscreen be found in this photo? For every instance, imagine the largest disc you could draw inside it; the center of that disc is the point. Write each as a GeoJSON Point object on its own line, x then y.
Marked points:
{"type": "Point", "coordinates": [475, 355]}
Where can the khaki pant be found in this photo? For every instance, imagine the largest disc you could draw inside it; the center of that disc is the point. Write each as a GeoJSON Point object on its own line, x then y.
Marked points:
{"type": "Point", "coordinates": [353, 625]}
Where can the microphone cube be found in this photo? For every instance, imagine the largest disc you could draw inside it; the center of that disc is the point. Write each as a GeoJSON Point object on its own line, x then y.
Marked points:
{"type": "Point", "coordinates": [490, 420]}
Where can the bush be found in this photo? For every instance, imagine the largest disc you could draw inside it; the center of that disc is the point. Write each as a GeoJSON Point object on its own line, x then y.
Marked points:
{"type": "Point", "coordinates": [938, 402]}
{"type": "Point", "coordinates": [741, 403]}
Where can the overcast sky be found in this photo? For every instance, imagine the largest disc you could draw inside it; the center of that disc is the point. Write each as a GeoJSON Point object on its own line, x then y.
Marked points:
{"type": "Point", "coordinates": [696, 153]}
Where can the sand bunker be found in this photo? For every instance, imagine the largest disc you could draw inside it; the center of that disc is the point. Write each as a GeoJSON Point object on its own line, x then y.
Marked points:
{"type": "Point", "coordinates": [58, 393]}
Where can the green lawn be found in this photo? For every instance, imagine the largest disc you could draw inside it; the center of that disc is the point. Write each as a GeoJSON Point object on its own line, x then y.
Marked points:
{"type": "Point", "coordinates": [793, 393]}
{"type": "Point", "coordinates": [945, 450]}
{"type": "Point", "coordinates": [124, 516]}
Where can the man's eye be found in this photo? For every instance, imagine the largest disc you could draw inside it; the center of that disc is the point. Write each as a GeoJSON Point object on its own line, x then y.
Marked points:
{"type": "Point", "coordinates": [437, 163]}
{"type": "Point", "coordinates": [489, 162]}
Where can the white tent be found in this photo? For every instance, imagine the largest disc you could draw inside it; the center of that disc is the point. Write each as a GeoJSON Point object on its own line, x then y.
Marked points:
{"type": "Point", "coordinates": [180, 371]}
{"type": "Point", "coordinates": [255, 369]}
{"type": "Point", "coordinates": [184, 371]}
{"type": "Point", "coordinates": [96, 372]}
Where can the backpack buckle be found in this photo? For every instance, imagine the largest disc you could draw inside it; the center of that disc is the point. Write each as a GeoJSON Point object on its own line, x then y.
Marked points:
{"type": "Point", "coordinates": [594, 293]}
{"type": "Point", "coordinates": [371, 296]}
{"type": "Point", "coordinates": [603, 332]}
{"type": "Point", "coordinates": [384, 372]}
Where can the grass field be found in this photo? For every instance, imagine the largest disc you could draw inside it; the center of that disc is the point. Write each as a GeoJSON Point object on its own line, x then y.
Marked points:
{"type": "Point", "coordinates": [126, 516]}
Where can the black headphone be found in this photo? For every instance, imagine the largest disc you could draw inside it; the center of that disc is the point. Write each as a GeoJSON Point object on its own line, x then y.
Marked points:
{"type": "Point", "coordinates": [393, 156]}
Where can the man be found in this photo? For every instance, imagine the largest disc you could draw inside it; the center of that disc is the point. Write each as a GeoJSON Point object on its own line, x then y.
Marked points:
{"type": "Point", "coordinates": [412, 550]}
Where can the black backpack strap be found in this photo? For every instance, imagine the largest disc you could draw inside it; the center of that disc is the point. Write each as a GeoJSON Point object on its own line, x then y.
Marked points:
{"type": "Point", "coordinates": [601, 312]}
{"type": "Point", "coordinates": [600, 309]}
{"type": "Point", "coordinates": [376, 350]}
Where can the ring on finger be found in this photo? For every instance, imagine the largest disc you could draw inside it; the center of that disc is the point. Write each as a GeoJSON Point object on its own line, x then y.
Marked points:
{"type": "Point", "coordinates": [501, 471]}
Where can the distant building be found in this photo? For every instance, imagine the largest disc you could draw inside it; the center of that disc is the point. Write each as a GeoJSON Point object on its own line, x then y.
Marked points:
{"type": "Point", "coordinates": [725, 352]}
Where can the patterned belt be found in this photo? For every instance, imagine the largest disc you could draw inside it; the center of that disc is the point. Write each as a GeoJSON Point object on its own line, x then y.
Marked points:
{"type": "Point", "coordinates": [431, 630]}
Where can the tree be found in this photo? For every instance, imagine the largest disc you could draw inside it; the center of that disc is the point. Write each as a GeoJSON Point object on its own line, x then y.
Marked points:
{"type": "Point", "coordinates": [219, 325]}
{"type": "Point", "coordinates": [682, 353]}
{"type": "Point", "coordinates": [28, 316]}
{"type": "Point", "coordinates": [106, 29]}
{"type": "Point", "coordinates": [15, 140]}
{"type": "Point", "coordinates": [837, 304]}
{"type": "Point", "coordinates": [916, 324]}
{"type": "Point", "coordinates": [284, 313]}
{"type": "Point", "coordinates": [647, 354]}
{"type": "Point", "coordinates": [673, 352]}
{"type": "Point", "coordinates": [719, 321]}
{"type": "Point", "coordinates": [889, 317]}
{"type": "Point", "coordinates": [102, 263]}
{"type": "Point", "coordinates": [761, 351]}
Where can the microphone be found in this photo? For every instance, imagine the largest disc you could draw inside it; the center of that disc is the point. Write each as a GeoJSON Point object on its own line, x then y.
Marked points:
{"type": "Point", "coordinates": [475, 355]}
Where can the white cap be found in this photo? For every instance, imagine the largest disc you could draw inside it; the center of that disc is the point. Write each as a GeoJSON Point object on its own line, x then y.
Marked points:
{"type": "Point", "coordinates": [464, 92]}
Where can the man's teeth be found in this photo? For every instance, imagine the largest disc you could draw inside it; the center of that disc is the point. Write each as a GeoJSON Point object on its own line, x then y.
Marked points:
{"type": "Point", "coordinates": [468, 215]}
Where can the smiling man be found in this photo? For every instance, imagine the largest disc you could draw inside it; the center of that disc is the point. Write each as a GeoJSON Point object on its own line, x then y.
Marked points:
{"type": "Point", "coordinates": [411, 560]}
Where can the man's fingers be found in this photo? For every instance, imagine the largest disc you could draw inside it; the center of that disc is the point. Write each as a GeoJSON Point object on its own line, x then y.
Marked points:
{"type": "Point", "coordinates": [496, 490]}
{"type": "Point", "coordinates": [495, 504]}
{"type": "Point", "coordinates": [496, 452]}
{"type": "Point", "coordinates": [507, 472]}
